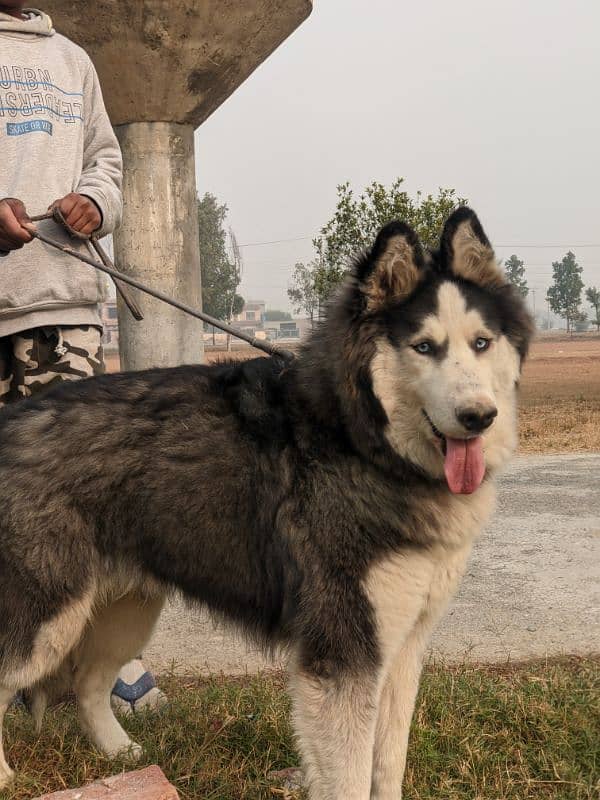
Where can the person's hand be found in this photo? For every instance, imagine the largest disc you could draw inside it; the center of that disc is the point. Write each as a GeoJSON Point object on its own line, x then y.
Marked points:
{"type": "Point", "coordinates": [80, 213]}
{"type": "Point", "coordinates": [13, 219]}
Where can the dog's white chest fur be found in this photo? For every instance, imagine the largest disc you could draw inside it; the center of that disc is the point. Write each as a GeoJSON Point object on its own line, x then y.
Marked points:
{"type": "Point", "coordinates": [409, 591]}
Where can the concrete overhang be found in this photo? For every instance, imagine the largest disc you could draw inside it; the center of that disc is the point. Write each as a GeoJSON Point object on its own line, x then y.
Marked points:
{"type": "Point", "coordinates": [175, 60]}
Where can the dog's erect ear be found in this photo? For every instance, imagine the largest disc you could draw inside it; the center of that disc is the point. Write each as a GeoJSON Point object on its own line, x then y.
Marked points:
{"type": "Point", "coordinates": [467, 252]}
{"type": "Point", "coordinates": [393, 268]}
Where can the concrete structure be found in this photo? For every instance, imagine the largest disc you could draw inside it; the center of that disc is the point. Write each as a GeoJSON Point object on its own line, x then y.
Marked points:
{"type": "Point", "coordinates": [158, 244]}
{"type": "Point", "coordinates": [253, 311]}
{"type": "Point", "coordinates": [287, 329]}
{"type": "Point", "coordinates": [253, 320]}
{"type": "Point", "coordinates": [251, 317]}
{"type": "Point", "coordinates": [165, 65]}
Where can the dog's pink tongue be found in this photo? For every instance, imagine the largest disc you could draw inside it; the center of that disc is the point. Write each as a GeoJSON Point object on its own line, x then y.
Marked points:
{"type": "Point", "coordinates": [464, 465]}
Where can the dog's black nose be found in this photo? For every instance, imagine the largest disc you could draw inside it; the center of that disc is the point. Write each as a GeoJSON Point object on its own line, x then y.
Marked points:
{"type": "Point", "coordinates": [476, 420]}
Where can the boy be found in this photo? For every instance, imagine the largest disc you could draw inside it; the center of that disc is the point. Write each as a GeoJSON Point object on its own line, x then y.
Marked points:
{"type": "Point", "coordinates": [57, 148]}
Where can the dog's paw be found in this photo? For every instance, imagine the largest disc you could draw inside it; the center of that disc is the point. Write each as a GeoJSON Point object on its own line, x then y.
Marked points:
{"type": "Point", "coordinates": [125, 751]}
{"type": "Point", "coordinates": [134, 752]}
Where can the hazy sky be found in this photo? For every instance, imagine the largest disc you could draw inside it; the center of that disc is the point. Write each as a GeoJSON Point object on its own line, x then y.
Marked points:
{"type": "Point", "coordinates": [497, 100]}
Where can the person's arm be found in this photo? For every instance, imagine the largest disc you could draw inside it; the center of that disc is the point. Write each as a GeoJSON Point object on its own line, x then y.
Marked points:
{"type": "Point", "coordinates": [102, 173]}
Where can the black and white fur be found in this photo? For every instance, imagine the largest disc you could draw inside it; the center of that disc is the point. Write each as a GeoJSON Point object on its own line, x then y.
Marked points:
{"type": "Point", "coordinates": [306, 503]}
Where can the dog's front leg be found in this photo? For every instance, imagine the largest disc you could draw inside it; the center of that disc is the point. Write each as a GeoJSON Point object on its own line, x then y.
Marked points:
{"type": "Point", "coordinates": [6, 773]}
{"type": "Point", "coordinates": [395, 714]}
{"type": "Point", "coordinates": [335, 720]}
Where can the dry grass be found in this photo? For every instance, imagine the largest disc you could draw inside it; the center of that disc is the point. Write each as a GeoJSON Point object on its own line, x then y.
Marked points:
{"type": "Point", "coordinates": [560, 426]}
{"type": "Point", "coordinates": [560, 396]}
{"type": "Point", "coordinates": [480, 733]}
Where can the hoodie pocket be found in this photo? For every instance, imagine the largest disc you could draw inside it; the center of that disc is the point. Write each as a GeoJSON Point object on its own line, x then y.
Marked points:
{"type": "Point", "coordinates": [39, 277]}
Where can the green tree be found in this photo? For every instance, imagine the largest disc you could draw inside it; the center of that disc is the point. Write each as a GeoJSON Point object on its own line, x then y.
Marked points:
{"type": "Point", "coordinates": [357, 220]}
{"type": "Point", "coordinates": [221, 271]}
{"type": "Point", "coordinates": [592, 295]}
{"type": "Point", "coordinates": [515, 272]}
{"type": "Point", "coordinates": [564, 295]}
{"type": "Point", "coordinates": [580, 321]}
{"type": "Point", "coordinates": [303, 293]}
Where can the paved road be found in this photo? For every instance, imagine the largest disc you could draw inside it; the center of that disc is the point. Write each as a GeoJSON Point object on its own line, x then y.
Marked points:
{"type": "Point", "coordinates": [532, 587]}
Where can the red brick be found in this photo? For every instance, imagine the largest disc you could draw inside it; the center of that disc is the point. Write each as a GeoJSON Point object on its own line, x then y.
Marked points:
{"type": "Point", "coordinates": [144, 784]}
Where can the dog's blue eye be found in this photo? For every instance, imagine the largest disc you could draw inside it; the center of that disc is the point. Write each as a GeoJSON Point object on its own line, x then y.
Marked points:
{"type": "Point", "coordinates": [482, 344]}
{"type": "Point", "coordinates": [424, 348]}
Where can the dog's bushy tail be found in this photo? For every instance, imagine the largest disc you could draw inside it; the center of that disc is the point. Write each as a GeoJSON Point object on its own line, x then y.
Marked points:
{"type": "Point", "coordinates": [37, 703]}
{"type": "Point", "coordinates": [55, 688]}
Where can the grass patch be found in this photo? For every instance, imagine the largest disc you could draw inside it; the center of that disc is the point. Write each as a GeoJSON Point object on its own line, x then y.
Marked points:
{"type": "Point", "coordinates": [556, 425]}
{"type": "Point", "coordinates": [479, 733]}
{"type": "Point", "coordinates": [560, 396]}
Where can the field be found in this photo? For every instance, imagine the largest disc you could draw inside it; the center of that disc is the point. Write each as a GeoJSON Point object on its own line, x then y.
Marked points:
{"type": "Point", "coordinates": [479, 733]}
{"type": "Point", "coordinates": [560, 394]}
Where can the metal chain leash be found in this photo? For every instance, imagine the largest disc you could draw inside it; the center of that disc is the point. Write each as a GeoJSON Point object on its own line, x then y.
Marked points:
{"type": "Point", "coordinates": [106, 265]}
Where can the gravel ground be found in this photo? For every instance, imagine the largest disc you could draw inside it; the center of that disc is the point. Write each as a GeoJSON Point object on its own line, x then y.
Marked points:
{"type": "Point", "coordinates": [532, 588]}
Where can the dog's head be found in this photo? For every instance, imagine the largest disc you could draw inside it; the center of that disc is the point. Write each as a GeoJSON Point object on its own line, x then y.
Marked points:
{"type": "Point", "coordinates": [434, 348]}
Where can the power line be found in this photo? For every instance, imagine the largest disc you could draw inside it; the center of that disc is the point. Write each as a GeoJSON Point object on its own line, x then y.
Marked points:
{"type": "Point", "coordinates": [515, 245]}
{"type": "Point", "coordinates": [276, 241]}
{"type": "Point", "coordinates": [547, 263]}
{"type": "Point", "coordinates": [539, 246]}
{"type": "Point", "coordinates": [540, 272]}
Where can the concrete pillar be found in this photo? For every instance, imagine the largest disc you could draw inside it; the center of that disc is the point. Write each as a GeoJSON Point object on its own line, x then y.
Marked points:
{"type": "Point", "coordinates": [157, 243]}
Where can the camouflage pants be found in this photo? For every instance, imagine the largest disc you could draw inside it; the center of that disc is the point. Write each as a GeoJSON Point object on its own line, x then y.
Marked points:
{"type": "Point", "coordinates": [32, 361]}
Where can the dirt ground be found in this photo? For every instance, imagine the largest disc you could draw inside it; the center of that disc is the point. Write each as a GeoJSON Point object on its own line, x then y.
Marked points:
{"type": "Point", "coordinates": [562, 368]}
{"type": "Point", "coordinates": [560, 396]}
{"type": "Point", "coordinates": [560, 393]}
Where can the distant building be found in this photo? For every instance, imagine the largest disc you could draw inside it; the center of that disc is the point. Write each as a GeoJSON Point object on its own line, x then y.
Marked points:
{"type": "Point", "coordinates": [252, 320]}
{"type": "Point", "coordinates": [282, 329]}
{"type": "Point", "coordinates": [110, 321]}
{"type": "Point", "coordinates": [251, 317]}
{"type": "Point", "coordinates": [287, 328]}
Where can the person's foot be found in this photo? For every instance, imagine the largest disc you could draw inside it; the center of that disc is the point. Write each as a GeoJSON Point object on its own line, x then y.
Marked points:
{"type": "Point", "coordinates": [136, 690]}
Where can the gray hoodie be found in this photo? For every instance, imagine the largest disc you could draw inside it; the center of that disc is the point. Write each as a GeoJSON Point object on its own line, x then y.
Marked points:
{"type": "Point", "coordinates": [55, 138]}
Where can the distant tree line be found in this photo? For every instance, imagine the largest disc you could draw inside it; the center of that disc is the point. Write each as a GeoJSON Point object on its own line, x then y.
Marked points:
{"type": "Point", "coordinates": [354, 225]}
{"type": "Point", "coordinates": [352, 228]}
{"type": "Point", "coordinates": [357, 219]}
{"type": "Point", "coordinates": [565, 295]}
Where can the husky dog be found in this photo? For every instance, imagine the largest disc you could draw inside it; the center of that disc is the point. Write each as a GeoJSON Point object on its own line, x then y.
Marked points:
{"type": "Point", "coordinates": [327, 506]}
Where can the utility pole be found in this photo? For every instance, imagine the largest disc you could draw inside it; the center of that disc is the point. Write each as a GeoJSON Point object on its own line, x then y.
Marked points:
{"type": "Point", "coordinates": [533, 296]}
